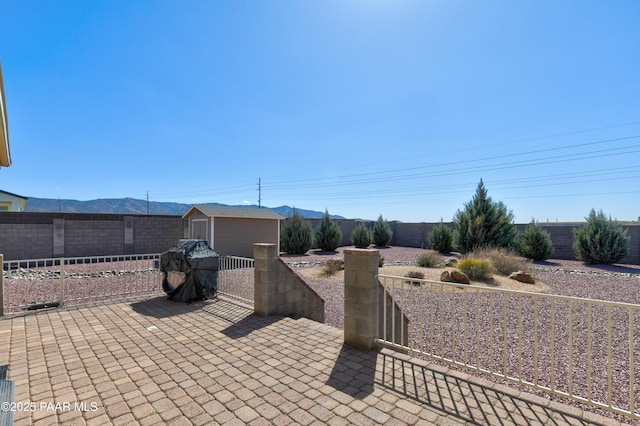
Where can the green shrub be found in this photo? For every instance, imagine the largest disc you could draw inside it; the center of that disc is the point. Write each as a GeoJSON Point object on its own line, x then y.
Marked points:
{"type": "Point", "coordinates": [483, 223]}
{"type": "Point", "coordinates": [296, 236]}
{"type": "Point", "coordinates": [441, 238]}
{"type": "Point", "coordinates": [503, 260]}
{"type": "Point", "coordinates": [328, 234]}
{"type": "Point", "coordinates": [381, 232]}
{"type": "Point", "coordinates": [361, 237]}
{"type": "Point", "coordinates": [430, 259]}
{"type": "Point", "coordinates": [381, 262]}
{"type": "Point", "coordinates": [600, 240]}
{"type": "Point", "coordinates": [534, 243]}
{"type": "Point", "coordinates": [476, 269]}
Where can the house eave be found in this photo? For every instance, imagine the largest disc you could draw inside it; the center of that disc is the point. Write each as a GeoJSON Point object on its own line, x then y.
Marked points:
{"type": "Point", "coordinates": [5, 155]}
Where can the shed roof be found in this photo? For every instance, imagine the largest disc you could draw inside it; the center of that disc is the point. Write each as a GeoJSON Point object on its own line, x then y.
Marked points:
{"type": "Point", "coordinates": [242, 212]}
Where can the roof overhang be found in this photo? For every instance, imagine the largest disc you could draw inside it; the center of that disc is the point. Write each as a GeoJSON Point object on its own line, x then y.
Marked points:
{"type": "Point", "coordinates": [5, 155]}
{"type": "Point", "coordinates": [234, 212]}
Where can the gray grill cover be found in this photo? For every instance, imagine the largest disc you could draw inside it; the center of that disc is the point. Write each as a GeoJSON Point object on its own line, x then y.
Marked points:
{"type": "Point", "coordinates": [190, 271]}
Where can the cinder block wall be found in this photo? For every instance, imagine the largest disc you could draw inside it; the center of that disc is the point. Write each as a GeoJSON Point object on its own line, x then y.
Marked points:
{"type": "Point", "coordinates": [417, 235]}
{"type": "Point", "coordinates": [279, 291]}
{"type": "Point", "coordinates": [93, 237]}
{"type": "Point", "coordinates": [32, 235]}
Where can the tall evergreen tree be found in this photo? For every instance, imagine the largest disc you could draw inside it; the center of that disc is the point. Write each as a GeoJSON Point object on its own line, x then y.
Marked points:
{"type": "Point", "coordinates": [296, 236]}
{"type": "Point", "coordinates": [328, 234]}
{"type": "Point", "coordinates": [600, 240]}
{"type": "Point", "coordinates": [483, 223]}
{"type": "Point", "coordinates": [382, 232]}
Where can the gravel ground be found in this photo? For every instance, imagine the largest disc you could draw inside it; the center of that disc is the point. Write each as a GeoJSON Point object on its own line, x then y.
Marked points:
{"type": "Point", "coordinates": [29, 286]}
{"type": "Point", "coordinates": [442, 332]}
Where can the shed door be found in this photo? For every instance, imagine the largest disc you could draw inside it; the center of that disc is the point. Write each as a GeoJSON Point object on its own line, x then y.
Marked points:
{"type": "Point", "coordinates": [199, 229]}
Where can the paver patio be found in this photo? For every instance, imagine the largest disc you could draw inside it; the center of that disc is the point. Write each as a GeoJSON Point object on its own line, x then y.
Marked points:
{"type": "Point", "coordinates": [160, 362]}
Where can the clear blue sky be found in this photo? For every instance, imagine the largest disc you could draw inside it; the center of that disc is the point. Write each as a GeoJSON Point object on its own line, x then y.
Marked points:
{"type": "Point", "coordinates": [362, 107]}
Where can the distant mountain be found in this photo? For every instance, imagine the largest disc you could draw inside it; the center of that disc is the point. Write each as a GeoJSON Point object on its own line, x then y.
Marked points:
{"type": "Point", "coordinates": [134, 206]}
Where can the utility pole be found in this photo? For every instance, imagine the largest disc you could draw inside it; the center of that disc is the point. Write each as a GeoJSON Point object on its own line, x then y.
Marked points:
{"type": "Point", "coordinates": [259, 193]}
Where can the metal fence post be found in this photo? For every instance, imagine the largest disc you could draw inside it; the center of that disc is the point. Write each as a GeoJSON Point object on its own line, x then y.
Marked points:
{"type": "Point", "coordinates": [61, 283]}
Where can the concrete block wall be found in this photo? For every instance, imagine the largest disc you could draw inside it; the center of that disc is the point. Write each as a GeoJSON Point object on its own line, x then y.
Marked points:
{"type": "Point", "coordinates": [31, 235]}
{"type": "Point", "coordinates": [26, 241]}
{"type": "Point", "coordinates": [93, 238]}
{"type": "Point", "coordinates": [153, 234]}
{"type": "Point", "coordinates": [279, 291]}
{"type": "Point", "coordinates": [417, 235]}
{"type": "Point", "coordinates": [364, 299]}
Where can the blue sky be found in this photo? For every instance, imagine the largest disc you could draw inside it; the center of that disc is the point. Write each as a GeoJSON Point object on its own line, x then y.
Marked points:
{"type": "Point", "coordinates": [363, 108]}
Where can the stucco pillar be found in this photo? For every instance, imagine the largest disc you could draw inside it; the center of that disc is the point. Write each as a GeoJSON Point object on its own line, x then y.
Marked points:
{"type": "Point", "coordinates": [266, 278]}
{"type": "Point", "coordinates": [128, 235]}
{"type": "Point", "coordinates": [58, 237]}
{"type": "Point", "coordinates": [361, 298]}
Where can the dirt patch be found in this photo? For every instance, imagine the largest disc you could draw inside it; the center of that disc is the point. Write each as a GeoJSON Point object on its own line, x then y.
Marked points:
{"type": "Point", "coordinates": [429, 274]}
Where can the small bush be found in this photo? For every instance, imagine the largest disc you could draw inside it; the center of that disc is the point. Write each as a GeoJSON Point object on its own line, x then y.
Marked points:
{"type": "Point", "coordinates": [430, 259]}
{"type": "Point", "coordinates": [296, 236]}
{"type": "Point", "coordinates": [476, 269]}
{"type": "Point", "coordinates": [381, 232]}
{"type": "Point", "coordinates": [600, 241]}
{"type": "Point", "coordinates": [328, 234]}
{"type": "Point", "coordinates": [361, 237]}
{"type": "Point", "coordinates": [503, 260]}
{"type": "Point", "coordinates": [332, 266]}
{"type": "Point", "coordinates": [534, 243]}
{"type": "Point", "coordinates": [441, 238]}
{"type": "Point", "coordinates": [381, 262]}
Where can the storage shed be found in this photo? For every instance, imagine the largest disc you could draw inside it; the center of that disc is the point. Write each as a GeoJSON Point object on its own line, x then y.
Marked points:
{"type": "Point", "coordinates": [232, 231]}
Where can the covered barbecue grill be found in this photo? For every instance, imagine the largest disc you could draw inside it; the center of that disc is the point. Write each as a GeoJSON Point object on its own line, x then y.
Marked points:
{"type": "Point", "coordinates": [190, 271]}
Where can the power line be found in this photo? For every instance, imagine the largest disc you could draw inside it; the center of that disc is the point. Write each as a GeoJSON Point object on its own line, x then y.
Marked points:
{"type": "Point", "coordinates": [490, 167]}
{"type": "Point", "coordinates": [276, 185]}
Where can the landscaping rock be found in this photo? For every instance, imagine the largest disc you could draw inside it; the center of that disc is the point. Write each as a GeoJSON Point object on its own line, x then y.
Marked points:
{"type": "Point", "coordinates": [460, 277]}
{"type": "Point", "coordinates": [522, 277]}
{"type": "Point", "coordinates": [446, 277]}
{"type": "Point", "coordinates": [452, 261]}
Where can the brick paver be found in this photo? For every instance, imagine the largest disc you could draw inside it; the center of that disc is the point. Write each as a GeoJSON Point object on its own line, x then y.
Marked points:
{"type": "Point", "coordinates": [156, 361]}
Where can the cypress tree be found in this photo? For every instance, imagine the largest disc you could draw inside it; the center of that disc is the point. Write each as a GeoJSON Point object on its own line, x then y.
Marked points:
{"type": "Point", "coordinates": [534, 243]}
{"type": "Point", "coordinates": [296, 236]}
{"type": "Point", "coordinates": [600, 241]}
{"type": "Point", "coordinates": [382, 232]}
{"type": "Point", "coordinates": [483, 223]}
{"type": "Point", "coordinates": [328, 234]}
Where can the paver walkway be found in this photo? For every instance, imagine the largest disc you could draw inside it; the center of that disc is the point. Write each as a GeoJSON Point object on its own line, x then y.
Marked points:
{"type": "Point", "coordinates": [160, 362]}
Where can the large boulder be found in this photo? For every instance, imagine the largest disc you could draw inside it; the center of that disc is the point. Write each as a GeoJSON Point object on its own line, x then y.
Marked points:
{"type": "Point", "coordinates": [446, 277]}
{"type": "Point", "coordinates": [460, 277]}
{"type": "Point", "coordinates": [522, 277]}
